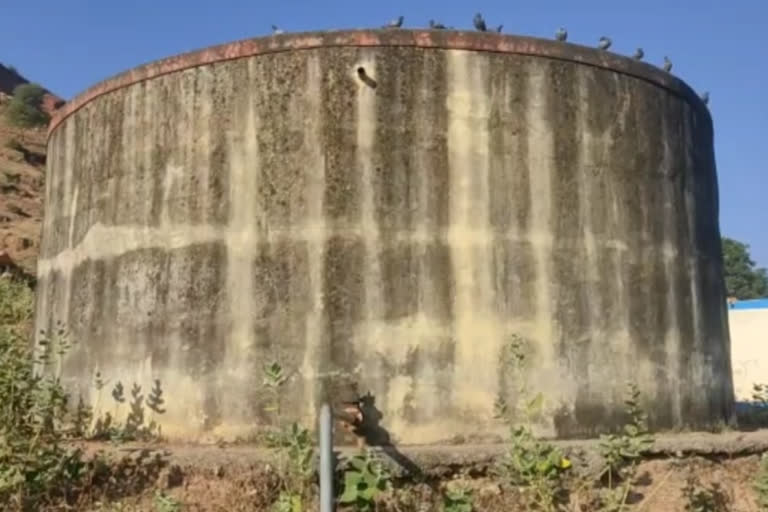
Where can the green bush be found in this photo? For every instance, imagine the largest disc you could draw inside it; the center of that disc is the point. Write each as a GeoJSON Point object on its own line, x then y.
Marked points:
{"type": "Point", "coordinates": [33, 459]}
{"type": "Point", "coordinates": [39, 468]}
{"type": "Point", "coordinates": [25, 107]}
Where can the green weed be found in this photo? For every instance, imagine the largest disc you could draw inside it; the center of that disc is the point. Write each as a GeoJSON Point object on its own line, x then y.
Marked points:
{"type": "Point", "coordinates": [621, 454]}
{"type": "Point", "coordinates": [364, 479]}
{"type": "Point", "coordinates": [288, 502]}
{"type": "Point", "coordinates": [534, 464]}
{"type": "Point", "coordinates": [704, 499]}
{"type": "Point", "coordinates": [164, 503]}
{"type": "Point", "coordinates": [457, 499]}
{"type": "Point", "coordinates": [296, 452]}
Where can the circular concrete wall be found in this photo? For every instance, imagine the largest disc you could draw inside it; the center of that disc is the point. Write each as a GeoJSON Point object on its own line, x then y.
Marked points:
{"type": "Point", "coordinates": [384, 211]}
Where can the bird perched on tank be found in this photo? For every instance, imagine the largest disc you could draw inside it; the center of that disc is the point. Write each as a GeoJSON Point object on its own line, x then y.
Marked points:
{"type": "Point", "coordinates": [351, 419]}
{"type": "Point", "coordinates": [350, 414]}
{"type": "Point", "coordinates": [435, 25]}
{"type": "Point", "coordinates": [639, 54]}
{"type": "Point", "coordinates": [499, 28]}
{"type": "Point", "coordinates": [395, 23]}
{"type": "Point", "coordinates": [604, 43]}
{"type": "Point", "coordinates": [479, 22]}
{"type": "Point", "coordinates": [561, 34]}
{"type": "Point", "coordinates": [276, 30]}
{"type": "Point", "coordinates": [705, 97]}
{"type": "Point", "coordinates": [667, 64]}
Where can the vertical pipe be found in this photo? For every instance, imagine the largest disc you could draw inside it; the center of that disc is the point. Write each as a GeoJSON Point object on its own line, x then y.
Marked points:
{"type": "Point", "coordinates": [326, 459]}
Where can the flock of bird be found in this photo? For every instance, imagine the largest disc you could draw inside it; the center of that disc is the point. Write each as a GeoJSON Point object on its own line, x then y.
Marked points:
{"type": "Point", "coordinates": [561, 35]}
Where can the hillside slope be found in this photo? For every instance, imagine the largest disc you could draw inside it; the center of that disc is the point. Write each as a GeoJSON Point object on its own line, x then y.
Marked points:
{"type": "Point", "coordinates": [22, 180]}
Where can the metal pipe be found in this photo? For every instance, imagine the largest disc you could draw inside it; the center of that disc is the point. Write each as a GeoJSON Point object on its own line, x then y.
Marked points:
{"type": "Point", "coordinates": [326, 459]}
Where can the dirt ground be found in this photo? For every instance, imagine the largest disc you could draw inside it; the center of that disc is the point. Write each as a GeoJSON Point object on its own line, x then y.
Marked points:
{"type": "Point", "coordinates": [660, 489]}
{"type": "Point", "coordinates": [244, 478]}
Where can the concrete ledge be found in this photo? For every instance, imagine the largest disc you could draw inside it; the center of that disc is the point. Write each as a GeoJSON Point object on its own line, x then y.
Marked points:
{"type": "Point", "coordinates": [442, 460]}
{"type": "Point", "coordinates": [436, 39]}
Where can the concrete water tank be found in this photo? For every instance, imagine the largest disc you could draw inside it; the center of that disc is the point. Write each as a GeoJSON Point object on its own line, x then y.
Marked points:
{"type": "Point", "coordinates": [390, 208]}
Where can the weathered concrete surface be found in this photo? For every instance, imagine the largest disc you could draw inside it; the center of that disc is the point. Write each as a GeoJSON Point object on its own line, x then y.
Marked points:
{"type": "Point", "coordinates": [204, 222]}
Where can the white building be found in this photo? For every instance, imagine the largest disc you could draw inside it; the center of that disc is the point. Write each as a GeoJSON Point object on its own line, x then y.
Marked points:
{"type": "Point", "coordinates": [748, 321]}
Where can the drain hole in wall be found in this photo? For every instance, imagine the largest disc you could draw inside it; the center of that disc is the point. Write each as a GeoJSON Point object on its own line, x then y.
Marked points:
{"type": "Point", "coordinates": [370, 82]}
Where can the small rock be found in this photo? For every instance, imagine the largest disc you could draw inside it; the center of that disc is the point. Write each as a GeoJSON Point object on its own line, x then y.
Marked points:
{"type": "Point", "coordinates": [490, 490]}
{"type": "Point", "coordinates": [22, 243]}
{"type": "Point", "coordinates": [218, 471]}
{"type": "Point", "coordinates": [5, 259]}
{"type": "Point", "coordinates": [13, 155]}
{"type": "Point", "coordinates": [16, 209]}
{"type": "Point", "coordinates": [171, 477]}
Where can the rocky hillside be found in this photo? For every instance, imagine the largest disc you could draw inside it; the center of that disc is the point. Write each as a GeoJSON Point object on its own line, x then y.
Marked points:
{"type": "Point", "coordinates": [22, 178]}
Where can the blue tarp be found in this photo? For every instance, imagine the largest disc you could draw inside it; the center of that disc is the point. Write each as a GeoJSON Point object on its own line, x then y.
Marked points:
{"type": "Point", "coordinates": [750, 304]}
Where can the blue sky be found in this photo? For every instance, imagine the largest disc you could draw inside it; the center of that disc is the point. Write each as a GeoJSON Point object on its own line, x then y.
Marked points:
{"type": "Point", "coordinates": [719, 46]}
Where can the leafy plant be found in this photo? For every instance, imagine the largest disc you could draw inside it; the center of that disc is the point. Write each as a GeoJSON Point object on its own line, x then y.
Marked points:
{"type": "Point", "coordinates": [288, 502]}
{"type": "Point", "coordinates": [274, 378]}
{"type": "Point", "coordinates": [164, 503]}
{"type": "Point", "coordinates": [528, 407]}
{"type": "Point", "coordinates": [295, 447]}
{"type": "Point", "coordinates": [704, 499]}
{"type": "Point", "coordinates": [457, 500]}
{"type": "Point", "coordinates": [620, 450]}
{"type": "Point", "coordinates": [295, 465]}
{"type": "Point", "coordinates": [296, 442]}
{"type": "Point", "coordinates": [364, 480]}
{"type": "Point", "coordinates": [536, 465]}
{"type": "Point", "coordinates": [621, 453]}
{"type": "Point", "coordinates": [25, 107]}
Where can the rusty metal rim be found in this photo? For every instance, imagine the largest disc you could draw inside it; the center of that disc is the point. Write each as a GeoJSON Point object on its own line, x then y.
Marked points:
{"type": "Point", "coordinates": [427, 39]}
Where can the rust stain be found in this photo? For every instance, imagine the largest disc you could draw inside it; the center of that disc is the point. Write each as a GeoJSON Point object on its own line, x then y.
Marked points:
{"type": "Point", "coordinates": [436, 39]}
